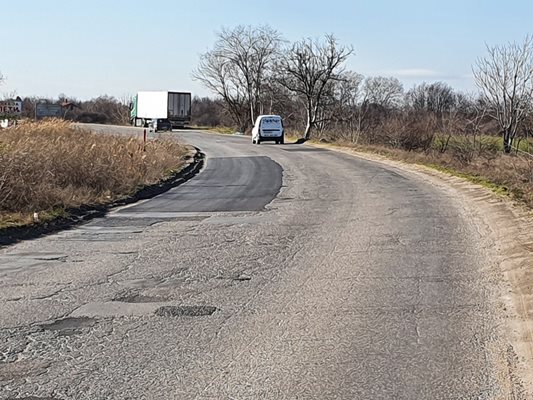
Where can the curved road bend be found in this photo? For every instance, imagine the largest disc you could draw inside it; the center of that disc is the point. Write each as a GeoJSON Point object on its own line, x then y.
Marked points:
{"type": "Point", "coordinates": [279, 272]}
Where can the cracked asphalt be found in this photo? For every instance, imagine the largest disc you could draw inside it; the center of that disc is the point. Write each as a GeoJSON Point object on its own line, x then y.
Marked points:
{"type": "Point", "coordinates": [279, 272]}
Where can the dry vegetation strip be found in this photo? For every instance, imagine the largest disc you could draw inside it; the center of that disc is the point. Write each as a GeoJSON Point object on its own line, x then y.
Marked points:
{"type": "Point", "coordinates": [47, 167]}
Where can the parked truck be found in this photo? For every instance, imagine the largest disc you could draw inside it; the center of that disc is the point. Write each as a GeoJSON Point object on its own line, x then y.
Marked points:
{"type": "Point", "coordinates": [174, 106]}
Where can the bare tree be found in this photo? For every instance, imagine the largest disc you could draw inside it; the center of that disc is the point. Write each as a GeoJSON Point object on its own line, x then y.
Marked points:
{"type": "Point", "coordinates": [505, 78]}
{"type": "Point", "coordinates": [528, 135]}
{"type": "Point", "coordinates": [276, 99]}
{"type": "Point", "coordinates": [207, 111]}
{"type": "Point", "coordinates": [350, 98]}
{"type": "Point", "coordinates": [237, 67]}
{"type": "Point", "coordinates": [308, 69]}
{"type": "Point", "coordinates": [383, 91]}
{"type": "Point", "coordinates": [436, 97]}
{"type": "Point", "coordinates": [458, 114]}
{"type": "Point", "coordinates": [330, 100]}
{"type": "Point", "coordinates": [474, 117]}
{"type": "Point", "coordinates": [376, 97]}
{"type": "Point", "coordinates": [218, 75]}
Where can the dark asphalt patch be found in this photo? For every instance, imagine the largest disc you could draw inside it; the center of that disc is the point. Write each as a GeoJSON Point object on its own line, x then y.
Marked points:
{"type": "Point", "coordinates": [69, 326]}
{"type": "Point", "coordinates": [226, 184]}
{"type": "Point", "coordinates": [139, 298]}
{"type": "Point", "coordinates": [184, 311]}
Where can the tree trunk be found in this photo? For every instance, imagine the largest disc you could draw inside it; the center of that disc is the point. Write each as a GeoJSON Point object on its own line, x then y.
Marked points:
{"type": "Point", "coordinates": [242, 123]}
{"type": "Point", "coordinates": [252, 114]}
{"type": "Point", "coordinates": [308, 126]}
{"type": "Point", "coordinates": [357, 136]}
{"type": "Point", "coordinates": [507, 141]}
{"type": "Point", "coordinates": [307, 134]}
{"type": "Point", "coordinates": [243, 126]}
{"type": "Point", "coordinates": [253, 109]}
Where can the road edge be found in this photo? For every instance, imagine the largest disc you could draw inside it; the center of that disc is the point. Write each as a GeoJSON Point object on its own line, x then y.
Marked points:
{"type": "Point", "coordinates": [85, 213]}
{"type": "Point", "coordinates": [508, 226]}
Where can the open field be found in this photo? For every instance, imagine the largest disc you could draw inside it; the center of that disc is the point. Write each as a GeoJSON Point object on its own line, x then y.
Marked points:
{"type": "Point", "coordinates": [486, 142]}
{"type": "Point", "coordinates": [51, 166]}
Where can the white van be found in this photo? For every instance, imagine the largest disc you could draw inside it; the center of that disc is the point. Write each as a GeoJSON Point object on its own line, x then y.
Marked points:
{"type": "Point", "coordinates": [268, 128]}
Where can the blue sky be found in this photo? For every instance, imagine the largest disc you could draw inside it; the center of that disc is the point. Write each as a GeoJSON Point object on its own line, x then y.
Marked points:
{"type": "Point", "coordinates": [85, 49]}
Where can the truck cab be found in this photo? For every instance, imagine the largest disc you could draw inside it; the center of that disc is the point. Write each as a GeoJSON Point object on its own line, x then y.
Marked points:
{"type": "Point", "coordinates": [268, 128]}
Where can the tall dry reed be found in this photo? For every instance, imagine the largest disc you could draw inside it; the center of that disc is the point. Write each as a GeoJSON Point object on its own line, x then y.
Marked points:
{"type": "Point", "coordinates": [45, 165]}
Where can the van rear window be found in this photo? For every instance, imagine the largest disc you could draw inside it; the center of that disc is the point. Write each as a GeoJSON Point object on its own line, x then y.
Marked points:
{"type": "Point", "coordinates": [270, 123]}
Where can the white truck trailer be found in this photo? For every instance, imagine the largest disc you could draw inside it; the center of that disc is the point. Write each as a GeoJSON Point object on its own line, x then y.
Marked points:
{"type": "Point", "coordinates": [174, 106]}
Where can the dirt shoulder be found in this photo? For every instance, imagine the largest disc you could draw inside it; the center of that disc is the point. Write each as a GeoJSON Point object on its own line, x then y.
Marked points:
{"type": "Point", "coordinates": [507, 227]}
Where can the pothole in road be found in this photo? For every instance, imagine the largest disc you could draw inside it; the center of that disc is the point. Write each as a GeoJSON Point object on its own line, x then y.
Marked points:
{"type": "Point", "coordinates": [185, 311]}
{"type": "Point", "coordinates": [238, 278]}
{"type": "Point", "coordinates": [70, 326]}
{"type": "Point", "coordinates": [139, 298]}
{"type": "Point", "coordinates": [57, 258]}
{"type": "Point", "coordinates": [241, 278]}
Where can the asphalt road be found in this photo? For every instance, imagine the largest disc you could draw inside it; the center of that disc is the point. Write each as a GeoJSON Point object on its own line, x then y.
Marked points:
{"type": "Point", "coordinates": [279, 272]}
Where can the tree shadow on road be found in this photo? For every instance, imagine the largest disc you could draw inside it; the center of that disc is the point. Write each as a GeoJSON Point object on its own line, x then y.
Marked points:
{"type": "Point", "coordinates": [299, 141]}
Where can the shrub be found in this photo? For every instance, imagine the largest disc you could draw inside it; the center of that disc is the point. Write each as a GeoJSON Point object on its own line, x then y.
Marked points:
{"type": "Point", "coordinates": [407, 132]}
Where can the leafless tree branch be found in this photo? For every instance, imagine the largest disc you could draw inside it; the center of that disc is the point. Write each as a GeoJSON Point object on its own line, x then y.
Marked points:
{"type": "Point", "coordinates": [308, 70]}
{"type": "Point", "coordinates": [237, 68]}
{"type": "Point", "coordinates": [505, 77]}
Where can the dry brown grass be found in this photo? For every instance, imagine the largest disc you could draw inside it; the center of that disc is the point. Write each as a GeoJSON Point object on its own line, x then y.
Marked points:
{"type": "Point", "coordinates": [53, 165]}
